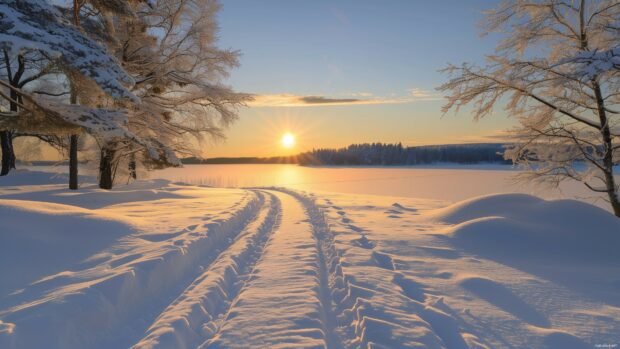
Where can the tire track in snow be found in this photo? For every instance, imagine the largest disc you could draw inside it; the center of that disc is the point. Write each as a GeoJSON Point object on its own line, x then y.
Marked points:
{"type": "Point", "coordinates": [194, 316]}
{"type": "Point", "coordinates": [332, 283]}
{"type": "Point", "coordinates": [287, 301]}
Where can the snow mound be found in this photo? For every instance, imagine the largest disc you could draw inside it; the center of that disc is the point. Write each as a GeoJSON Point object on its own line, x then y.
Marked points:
{"type": "Point", "coordinates": [522, 225]}
{"type": "Point", "coordinates": [484, 206]}
{"type": "Point", "coordinates": [39, 238]}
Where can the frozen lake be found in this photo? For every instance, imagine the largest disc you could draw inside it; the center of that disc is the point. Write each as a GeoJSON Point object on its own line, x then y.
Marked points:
{"type": "Point", "coordinates": [447, 182]}
{"type": "Point", "coordinates": [442, 182]}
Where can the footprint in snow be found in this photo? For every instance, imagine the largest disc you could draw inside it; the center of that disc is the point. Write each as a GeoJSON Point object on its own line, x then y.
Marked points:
{"type": "Point", "coordinates": [363, 242]}
{"type": "Point", "coordinates": [355, 228]}
{"type": "Point", "coordinates": [411, 288]}
{"type": "Point", "coordinates": [443, 275]}
{"type": "Point", "coordinates": [403, 208]}
{"type": "Point", "coordinates": [383, 260]}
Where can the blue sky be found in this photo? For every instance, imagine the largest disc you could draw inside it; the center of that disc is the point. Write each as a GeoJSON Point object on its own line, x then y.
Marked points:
{"type": "Point", "coordinates": [385, 53]}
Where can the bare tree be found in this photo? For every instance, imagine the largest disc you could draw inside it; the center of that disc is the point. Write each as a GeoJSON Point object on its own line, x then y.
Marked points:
{"type": "Point", "coordinates": [569, 116]}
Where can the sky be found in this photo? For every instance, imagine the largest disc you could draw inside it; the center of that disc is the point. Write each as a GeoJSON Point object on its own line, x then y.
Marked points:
{"type": "Point", "coordinates": [334, 73]}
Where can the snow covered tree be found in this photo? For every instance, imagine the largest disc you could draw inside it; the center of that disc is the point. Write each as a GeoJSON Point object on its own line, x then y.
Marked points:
{"type": "Point", "coordinates": [37, 28]}
{"type": "Point", "coordinates": [94, 27]}
{"type": "Point", "coordinates": [593, 63]}
{"type": "Point", "coordinates": [19, 71]}
{"type": "Point", "coordinates": [556, 72]}
{"type": "Point", "coordinates": [169, 48]}
{"type": "Point", "coordinates": [172, 99]}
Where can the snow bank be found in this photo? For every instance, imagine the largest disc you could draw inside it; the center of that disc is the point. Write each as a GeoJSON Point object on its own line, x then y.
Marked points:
{"type": "Point", "coordinates": [83, 269]}
{"type": "Point", "coordinates": [71, 234]}
{"type": "Point", "coordinates": [523, 225]}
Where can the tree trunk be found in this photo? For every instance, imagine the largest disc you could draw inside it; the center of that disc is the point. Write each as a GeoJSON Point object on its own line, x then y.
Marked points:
{"type": "Point", "coordinates": [8, 154]}
{"type": "Point", "coordinates": [73, 162]}
{"type": "Point", "coordinates": [6, 143]}
{"type": "Point", "coordinates": [612, 193]}
{"type": "Point", "coordinates": [73, 150]}
{"type": "Point", "coordinates": [106, 177]}
{"type": "Point", "coordinates": [132, 167]}
{"type": "Point", "coordinates": [608, 161]}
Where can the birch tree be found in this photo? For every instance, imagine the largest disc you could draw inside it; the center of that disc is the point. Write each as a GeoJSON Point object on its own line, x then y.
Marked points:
{"type": "Point", "coordinates": [547, 73]}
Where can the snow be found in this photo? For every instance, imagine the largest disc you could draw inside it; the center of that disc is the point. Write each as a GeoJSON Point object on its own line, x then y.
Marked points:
{"type": "Point", "coordinates": [546, 230]}
{"type": "Point", "coordinates": [161, 264]}
{"type": "Point", "coordinates": [593, 63]}
{"type": "Point", "coordinates": [37, 25]}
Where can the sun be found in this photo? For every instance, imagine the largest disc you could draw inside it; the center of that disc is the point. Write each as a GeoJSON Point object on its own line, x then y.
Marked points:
{"type": "Point", "coordinates": [288, 140]}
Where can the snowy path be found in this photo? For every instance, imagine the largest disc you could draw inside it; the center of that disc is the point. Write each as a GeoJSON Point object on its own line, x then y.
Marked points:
{"type": "Point", "coordinates": [193, 316]}
{"type": "Point", "coordinates": [284, 288]}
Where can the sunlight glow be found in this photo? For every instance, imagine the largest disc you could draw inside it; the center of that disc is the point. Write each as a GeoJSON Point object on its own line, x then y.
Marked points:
{"type": "Point", "coordinates": [288, 140]}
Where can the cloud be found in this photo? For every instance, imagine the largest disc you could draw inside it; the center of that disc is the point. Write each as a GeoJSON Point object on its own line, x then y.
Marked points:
{"type": "Point", "coordinates": [324, 100]}
{"type": "Point", "coordinates": [361, 94]}
{"type": "Point", "coordinates": [358, 98]}
{"type": "Point", "coordinates": [421, 94]}
{"type": "Point", "coordinates": [290, 100]}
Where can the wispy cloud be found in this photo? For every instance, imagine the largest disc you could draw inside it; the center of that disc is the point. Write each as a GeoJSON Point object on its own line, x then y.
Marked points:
{"type": "Point", "coordinates": [361, 94]}
{"type": "Point", "coordinates": [325, 100]}
{"type": "Point", "coordinates": [352, 98]}
{"type": "Point", "coordinates": [422, 94]}
{"type": "Point", "coordinates": [291, 100]}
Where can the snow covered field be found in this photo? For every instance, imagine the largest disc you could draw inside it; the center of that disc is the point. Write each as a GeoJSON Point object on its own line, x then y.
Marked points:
{"type": "Point", "coordinates": [162, 264]}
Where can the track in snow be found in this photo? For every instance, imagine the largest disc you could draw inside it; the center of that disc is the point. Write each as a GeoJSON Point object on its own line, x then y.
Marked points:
{"type": "Point", "coordinates": [283, 304]}
{"type": "Point", "coordinates": [268, 288]}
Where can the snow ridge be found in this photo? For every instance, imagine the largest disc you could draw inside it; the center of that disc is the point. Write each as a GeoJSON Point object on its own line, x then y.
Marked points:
{"type": "Point", "coordinates": [108, 302]}
{"type": "Point", "coordinates": [196, 315]}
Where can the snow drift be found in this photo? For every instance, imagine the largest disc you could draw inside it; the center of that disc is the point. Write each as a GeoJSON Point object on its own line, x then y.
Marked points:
{"type": "Point", "coordinates": [529, 226]}
{"type": "Point", "coordinates": [71, 234]}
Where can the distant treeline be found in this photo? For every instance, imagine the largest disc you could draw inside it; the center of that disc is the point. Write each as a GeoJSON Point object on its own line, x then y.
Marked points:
{"type": "Point", "coordinates": [379, 154]}
{"type": "Point", "coordinates": [396, 154]}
